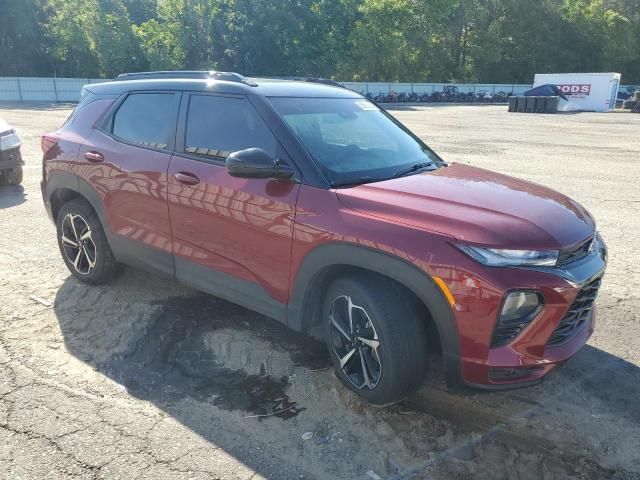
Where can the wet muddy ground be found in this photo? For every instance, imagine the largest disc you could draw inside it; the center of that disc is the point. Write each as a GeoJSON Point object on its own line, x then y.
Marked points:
{"type": "Point", "coordinates": [145, 378]}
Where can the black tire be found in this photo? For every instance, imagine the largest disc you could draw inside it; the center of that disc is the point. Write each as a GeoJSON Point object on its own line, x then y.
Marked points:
{"type": "Point", "coordinates": [15, 175]}
{"type": "Point", "coordinates": [402, 348]}
{"type": "Point", "coordinates": [552, 105]}
{"type": "Point", "coordinates": [79, 216]}
{"type": "Point", "coordinates": [530, 106]}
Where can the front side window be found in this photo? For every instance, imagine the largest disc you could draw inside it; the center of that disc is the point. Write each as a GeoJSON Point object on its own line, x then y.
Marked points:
{"type": "Point", "coordinates": [351, 139]}
{"type": "Point", "coordinates": [147, 119]}
{"type": "Point", "coordinates": [218, 126]}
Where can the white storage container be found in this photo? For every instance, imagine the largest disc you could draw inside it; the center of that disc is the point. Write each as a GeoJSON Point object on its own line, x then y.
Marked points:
{"type": "Point", "coordinates": [593, 92]}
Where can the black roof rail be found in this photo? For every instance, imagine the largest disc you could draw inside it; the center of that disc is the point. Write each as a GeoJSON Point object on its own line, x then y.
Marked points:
{"type": "Point", "coordinates": [324, 81]}
{"type": "Point", "coordinates": [191, 74]}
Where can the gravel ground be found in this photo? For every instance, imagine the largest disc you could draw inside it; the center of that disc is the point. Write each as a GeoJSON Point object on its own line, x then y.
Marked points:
{"type": "Point", "coordinates": [145, 378]}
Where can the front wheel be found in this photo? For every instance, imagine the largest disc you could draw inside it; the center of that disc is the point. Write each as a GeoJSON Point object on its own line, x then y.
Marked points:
{"type": "Point", "coordinates": [376, 340]}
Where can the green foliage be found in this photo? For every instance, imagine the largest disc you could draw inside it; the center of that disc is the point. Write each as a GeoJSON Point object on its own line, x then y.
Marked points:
{"type": "Point", "coordinates": [22, 43]}
{"type": "Point", "coordinates": [91, 38]}
{"type": "Point", "coordinates": [384, 40]}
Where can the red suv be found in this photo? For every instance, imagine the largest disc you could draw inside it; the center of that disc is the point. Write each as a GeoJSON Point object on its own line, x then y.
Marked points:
{"type": "Point", "coordinates": [309, 204]}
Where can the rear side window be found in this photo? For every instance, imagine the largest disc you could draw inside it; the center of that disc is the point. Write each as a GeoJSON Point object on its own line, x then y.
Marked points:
{"type": "Point", "coordinates": [147, 119]}
{"type": "Point", "coordinates": [218, 126]}
{"type": "Point", "coordinates": [86, 97]}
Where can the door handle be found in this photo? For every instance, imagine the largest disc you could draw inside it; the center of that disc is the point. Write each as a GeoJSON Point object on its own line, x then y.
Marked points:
{"type": "Point", "coordinates": [94, 157]}
{"type": "Point", "coordinates": [186, 178]}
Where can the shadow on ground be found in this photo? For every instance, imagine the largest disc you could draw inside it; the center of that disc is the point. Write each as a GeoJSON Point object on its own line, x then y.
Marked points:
{"type": "Point", "coordinates": [12, 196]}
{"type": "Point", "coordinates": [165, 351]}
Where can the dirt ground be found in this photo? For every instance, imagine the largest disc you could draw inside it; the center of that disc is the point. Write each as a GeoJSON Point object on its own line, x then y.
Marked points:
{"type": "Point", "coordinates": [145, 378]}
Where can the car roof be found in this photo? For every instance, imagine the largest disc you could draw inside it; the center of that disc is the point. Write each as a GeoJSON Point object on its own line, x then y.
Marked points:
{"type": "Point", "coordinates": [224, 83]}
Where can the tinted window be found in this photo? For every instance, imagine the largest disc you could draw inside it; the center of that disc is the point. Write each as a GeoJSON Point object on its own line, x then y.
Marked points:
{"type": "Point", "coordinates": [147, 119]}
{"type": "Point", "coordinates": [217, 126]}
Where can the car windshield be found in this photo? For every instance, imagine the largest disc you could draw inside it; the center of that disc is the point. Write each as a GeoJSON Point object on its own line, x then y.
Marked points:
{"type": "Point", "coordinates": [352, 140]}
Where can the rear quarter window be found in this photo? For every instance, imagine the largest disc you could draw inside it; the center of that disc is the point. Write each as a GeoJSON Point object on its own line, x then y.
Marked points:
{"type": "Point", "coordinates": [87, 97]}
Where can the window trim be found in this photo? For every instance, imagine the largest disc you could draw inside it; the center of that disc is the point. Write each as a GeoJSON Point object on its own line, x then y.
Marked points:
{"type": "Point", "coordinates": [106, 125]}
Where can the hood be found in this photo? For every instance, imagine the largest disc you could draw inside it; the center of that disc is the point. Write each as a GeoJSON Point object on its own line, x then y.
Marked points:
{"type": "Point", "coordinates": [476, 206]}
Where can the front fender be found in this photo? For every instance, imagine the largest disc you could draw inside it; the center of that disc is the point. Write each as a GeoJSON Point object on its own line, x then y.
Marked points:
{"type": "Point", "coordinates": [301, 315]}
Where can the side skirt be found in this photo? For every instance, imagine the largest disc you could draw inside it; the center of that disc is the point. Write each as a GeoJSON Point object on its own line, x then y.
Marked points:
{"type": "Point", "coordinates": [228, 287]}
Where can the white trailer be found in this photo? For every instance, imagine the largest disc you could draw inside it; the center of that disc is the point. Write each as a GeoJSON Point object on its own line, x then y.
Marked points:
{"type": "Point", "coordinates": [592, 92]}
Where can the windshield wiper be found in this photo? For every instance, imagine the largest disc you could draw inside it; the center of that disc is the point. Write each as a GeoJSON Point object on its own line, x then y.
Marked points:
{"type": "Point", "coordinates": [413, 168]}
{"type": "Point", "coordinates": [355, 181]}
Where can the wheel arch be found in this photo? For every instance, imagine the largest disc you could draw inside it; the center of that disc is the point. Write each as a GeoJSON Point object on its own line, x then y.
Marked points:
{"type": "Point", "coordinates": [63, 187]}
{"type": "Point", "coordinates": [329, 260]}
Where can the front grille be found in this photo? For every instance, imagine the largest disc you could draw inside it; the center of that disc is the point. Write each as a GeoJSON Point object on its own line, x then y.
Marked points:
{"type": "Point", "coordinates": [574, 253]}
{"type": "Point", "coordinates": [577, 317]}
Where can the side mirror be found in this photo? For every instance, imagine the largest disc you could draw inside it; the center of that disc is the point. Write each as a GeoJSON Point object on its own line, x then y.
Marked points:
{"type": "Point", "coordinates": [256, 163]}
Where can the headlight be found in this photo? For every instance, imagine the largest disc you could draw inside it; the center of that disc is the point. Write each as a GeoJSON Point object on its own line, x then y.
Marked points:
{"type": "Point", "coordinates": [9, 140]}
{"type": "Point", "coordinates": [497, 257]}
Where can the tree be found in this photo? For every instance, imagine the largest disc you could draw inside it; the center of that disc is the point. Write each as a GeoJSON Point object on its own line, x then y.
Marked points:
{"type": "Point", "coordinates": [92, 38]}
{"type": "Point", "coordinates": [403, 40]}
{"type": "Point", "coordinates": [23, 46]}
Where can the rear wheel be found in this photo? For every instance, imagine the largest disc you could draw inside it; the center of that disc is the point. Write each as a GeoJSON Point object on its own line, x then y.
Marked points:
{"type": "Point", "coordinates": [83, 243]}
{"type": "Point", "coordinates": [377, 342]}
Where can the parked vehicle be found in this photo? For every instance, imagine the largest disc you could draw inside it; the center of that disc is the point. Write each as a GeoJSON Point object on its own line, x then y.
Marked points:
{"type": "Point", "coordinates": [309, 204]}
{"type": "Point", "coordinates": [10, 157]}
{"type": "Point", "coordinates": [449, 94]}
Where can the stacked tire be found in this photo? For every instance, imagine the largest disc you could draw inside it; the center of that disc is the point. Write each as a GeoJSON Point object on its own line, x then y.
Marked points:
{"type": "Point", "coordinates": [633, 102]}
{"type": "Point", "coordinates": [526, 104]}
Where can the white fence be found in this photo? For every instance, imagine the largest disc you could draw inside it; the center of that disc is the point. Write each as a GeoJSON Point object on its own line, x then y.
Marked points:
{"type": "Point", "coordinates": [385, 88]}
{"type": "Point", "coordinates": [23, 89]}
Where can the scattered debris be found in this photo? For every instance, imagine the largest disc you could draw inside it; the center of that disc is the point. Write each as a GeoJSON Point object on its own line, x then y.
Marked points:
{"type": "Point", "coordinates": [277, 412]}
{"type": "Point", "coordinates": [373, 475]}
{"type": "Point", "coordinates": [307, 435]}
{"type": "Point", "coordinates": [41, 301]}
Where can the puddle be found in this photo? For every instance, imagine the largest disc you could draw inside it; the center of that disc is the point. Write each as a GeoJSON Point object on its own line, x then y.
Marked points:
{"type": "Point", "coordinates": [179, 356]}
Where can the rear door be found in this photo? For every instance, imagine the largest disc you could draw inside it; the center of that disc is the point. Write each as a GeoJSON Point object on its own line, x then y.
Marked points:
{"type": "Point", "coordinates": [126, 163]}
{"type": "Point", "coordinates": [232, 236]}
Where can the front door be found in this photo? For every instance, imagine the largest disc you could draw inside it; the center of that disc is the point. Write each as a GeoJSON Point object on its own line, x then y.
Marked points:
{"type": "Point", "coordinates": [232, 236]}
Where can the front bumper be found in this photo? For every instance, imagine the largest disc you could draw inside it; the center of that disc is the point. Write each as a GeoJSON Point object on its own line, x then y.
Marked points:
{"type": "Point", "coordinates": [507, 369]}
{"type": "Point", "coordinates": [530, 356]}
{"type": "Point", "coordinates": [10, 159]}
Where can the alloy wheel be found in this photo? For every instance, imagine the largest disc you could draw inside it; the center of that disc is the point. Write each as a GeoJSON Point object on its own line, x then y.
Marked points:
{"type": "Point", "coordinates": [355, 342]}
{"type": "Point", "coordinates": [77, 243]}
